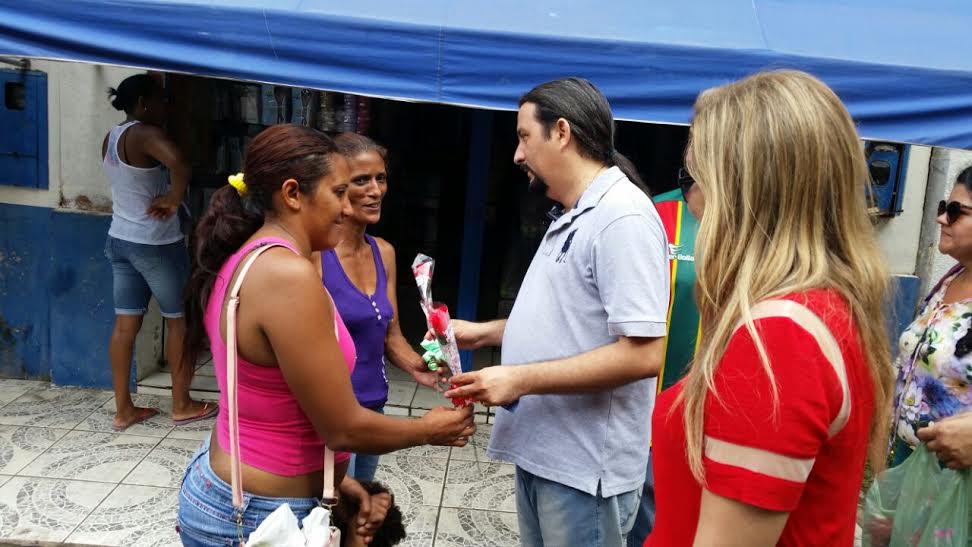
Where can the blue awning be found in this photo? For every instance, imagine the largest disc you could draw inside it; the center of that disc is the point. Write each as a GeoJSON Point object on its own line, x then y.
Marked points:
{"type": "Point", "coordinates": [902, 67]}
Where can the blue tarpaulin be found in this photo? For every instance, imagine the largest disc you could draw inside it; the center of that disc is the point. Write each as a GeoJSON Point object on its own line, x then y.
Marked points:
{"type": "Point", "coordinates": [902, 67]}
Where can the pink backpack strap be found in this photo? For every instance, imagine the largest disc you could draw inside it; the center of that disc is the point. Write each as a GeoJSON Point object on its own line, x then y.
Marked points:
{"type": "Point", "coordinates": [236, 471]}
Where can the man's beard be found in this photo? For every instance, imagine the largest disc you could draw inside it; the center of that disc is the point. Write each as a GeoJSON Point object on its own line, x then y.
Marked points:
{"type": "Point", "coordinates": [537, 186]}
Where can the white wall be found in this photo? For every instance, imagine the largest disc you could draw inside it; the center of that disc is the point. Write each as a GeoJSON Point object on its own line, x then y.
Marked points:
{"type": "Point", "coordinates": [79, 115]}
{"type": "Point", "coordinates": [899, 236]}
{"type": "Point", "coordinates": [944, 169]}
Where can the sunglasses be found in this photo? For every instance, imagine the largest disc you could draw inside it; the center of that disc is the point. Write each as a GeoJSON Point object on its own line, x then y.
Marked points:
{"type": "Point", "coordinates": [952, 210]}
{"type": "Point", "coordinates": [685, 181]}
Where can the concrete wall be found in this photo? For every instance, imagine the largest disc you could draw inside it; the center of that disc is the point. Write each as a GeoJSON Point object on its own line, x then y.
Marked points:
{"type": "Point", "coordinates": [899, 236]}
{"type": "Point", "coordinates": [944, 168]}
{"type": "Point", "coordinates": [56, 309]}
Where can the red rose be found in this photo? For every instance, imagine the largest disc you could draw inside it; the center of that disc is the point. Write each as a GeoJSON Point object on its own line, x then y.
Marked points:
{"type": "Point", "coordinates": [439, 319]}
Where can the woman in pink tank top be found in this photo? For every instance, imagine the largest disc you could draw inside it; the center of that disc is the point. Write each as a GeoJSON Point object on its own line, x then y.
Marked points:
{"type": "Point", "coordinates": [294, 387]}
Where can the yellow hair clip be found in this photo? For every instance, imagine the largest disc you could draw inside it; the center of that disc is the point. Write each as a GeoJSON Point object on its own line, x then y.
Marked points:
{"type": "Point", "coordinates": [236, 181]}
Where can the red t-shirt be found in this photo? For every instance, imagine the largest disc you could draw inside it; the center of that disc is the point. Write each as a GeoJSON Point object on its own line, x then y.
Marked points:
{"type": "Point", "coordinates": [777, 458]}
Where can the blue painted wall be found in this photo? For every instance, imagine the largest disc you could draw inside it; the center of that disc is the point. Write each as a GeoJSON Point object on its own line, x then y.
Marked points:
{"type": "Point", "coordinates": [82, 313]}
{"type": "Point", "coordinates": [56, 311]}
{"type": "Point", "coordinates": [24, 311]}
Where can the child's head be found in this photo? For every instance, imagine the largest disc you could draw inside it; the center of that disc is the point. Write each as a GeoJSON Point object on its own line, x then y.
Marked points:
{"type": "Point", "coordinates": [391, 531]}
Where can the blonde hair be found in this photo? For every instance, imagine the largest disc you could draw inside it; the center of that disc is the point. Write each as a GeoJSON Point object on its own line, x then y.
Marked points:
{"type": "Point", "coordinates": [783, 173]}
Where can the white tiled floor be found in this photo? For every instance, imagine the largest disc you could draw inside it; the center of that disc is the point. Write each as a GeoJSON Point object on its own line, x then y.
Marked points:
{"type": "Point", "coordinates": [47, 509]}
{"type": "Point", "coordinates": [65, 476]}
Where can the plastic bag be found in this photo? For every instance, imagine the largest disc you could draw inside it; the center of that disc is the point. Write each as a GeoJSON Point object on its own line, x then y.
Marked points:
{"type": "Point", "coordinates": [280, 529]}
{"type": "Point", "coordinates": [917, 504]}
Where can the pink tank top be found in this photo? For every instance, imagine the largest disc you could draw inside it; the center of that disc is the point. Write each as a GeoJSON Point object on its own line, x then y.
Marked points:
{"type": "Point", "coordinates": [275, 434]}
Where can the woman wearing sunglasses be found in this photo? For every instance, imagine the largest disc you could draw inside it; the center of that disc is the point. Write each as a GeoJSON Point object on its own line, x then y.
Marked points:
{"type": "Point", "coordinates": [934, 360]}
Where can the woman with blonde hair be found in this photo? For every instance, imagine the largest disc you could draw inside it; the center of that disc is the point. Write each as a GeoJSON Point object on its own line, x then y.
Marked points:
{"type": "Point", "coordinates": [764, 442]}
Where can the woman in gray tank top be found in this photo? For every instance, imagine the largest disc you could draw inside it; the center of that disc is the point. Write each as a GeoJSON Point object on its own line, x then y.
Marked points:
{"type": "Point", "coordinates": [145, 245]}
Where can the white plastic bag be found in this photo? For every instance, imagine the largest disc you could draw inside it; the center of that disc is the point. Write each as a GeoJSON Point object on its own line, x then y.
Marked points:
{"type": "Point", "coordinates": [317, 529]}
{"type": "Point", "coordinates": [280, 529]}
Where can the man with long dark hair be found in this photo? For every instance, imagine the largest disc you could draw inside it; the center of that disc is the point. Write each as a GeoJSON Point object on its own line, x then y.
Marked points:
{"type": "Point", "coordinates": [586, 332]}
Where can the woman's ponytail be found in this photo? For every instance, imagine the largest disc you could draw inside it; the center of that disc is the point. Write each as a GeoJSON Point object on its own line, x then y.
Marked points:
{"type": "Point", "coordinates": [221, 231]}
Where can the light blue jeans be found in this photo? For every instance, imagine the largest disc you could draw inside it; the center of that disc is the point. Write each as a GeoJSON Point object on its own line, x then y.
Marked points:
{"type": "Point", "coordinates": [364, 466]}
{"type": "Point", "coordinates": [206, 513]}
{"type": "Point", "coordinates": [645, 517]}
{"type": "Point", "coordinates": [554, 515]}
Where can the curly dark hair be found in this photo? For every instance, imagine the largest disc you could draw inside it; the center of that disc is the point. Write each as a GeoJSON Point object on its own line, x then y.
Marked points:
{"type": "Point", "coordinates": [392, 530]}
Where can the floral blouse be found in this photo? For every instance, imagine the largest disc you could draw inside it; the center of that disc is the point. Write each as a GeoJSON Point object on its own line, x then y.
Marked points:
{"type": "Point", "coordinates": [934, 364]}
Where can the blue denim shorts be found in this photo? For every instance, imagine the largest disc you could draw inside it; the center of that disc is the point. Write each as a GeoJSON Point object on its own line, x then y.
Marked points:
{"type": "Point", "coordinates": [206, 513]}
{"type": "Point", "coordinates": [141, 271]}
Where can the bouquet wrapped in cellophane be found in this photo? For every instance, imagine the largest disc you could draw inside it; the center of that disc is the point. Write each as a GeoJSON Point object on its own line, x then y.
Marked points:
{"type": "Point", "coordinates": [442, 348]}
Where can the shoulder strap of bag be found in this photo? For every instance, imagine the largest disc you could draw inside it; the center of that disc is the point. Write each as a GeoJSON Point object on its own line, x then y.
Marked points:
{"type": "Point", "coordinates": [810, 322]}
{"type": "Point", "coordinates": [236, 472]}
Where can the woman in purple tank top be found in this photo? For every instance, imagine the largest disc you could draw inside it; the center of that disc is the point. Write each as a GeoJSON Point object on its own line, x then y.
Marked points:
{"type": "Point", "coordinates": [360, 275]}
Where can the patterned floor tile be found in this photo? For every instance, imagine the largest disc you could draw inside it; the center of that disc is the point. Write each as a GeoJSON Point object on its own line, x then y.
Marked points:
{"type": "Point", "coordinates": [478, 485]}
{"type": "Point", "coordinates": [414, 480]}
{"type": "Point", "coordinates": [475, 450]}
{"type": "Point", "coordinates": [12, 389]}
{"type": "Point", "coordinates": [53, 407]}
{"type": "Point", "coordinates": [20, 445]}
{"type": "Point", "coordinates": [104, 457]}
{"type": "Point", "coordinates": [196, 431]}
{"type": "Point", "coordinates": [206, 396]}
{"type": "Point", "coordinates": [33, 384]}
{"type": "Point", "coordinates": [424, 451]}
{"type": "Point", "coordinates": [159, 425]}
{"type": "Point", "coordinates": [419, 525]}
{"type": "Point", "coordinates": [472, 528]}
{"type": "Point", "coordinates": [401, 393]}
{"type": "Point", "coordinates": [136, 516]}
{"type": "Point", "coordinates": [165, 464]}
{"type": "Point", "coordinates": [47, 509]}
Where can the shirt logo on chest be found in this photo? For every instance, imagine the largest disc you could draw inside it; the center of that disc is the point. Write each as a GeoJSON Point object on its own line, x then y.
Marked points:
{"type": "Point", "coordinates": [562, 257]}
{"type": "Point", "coordinates": [675, 253]}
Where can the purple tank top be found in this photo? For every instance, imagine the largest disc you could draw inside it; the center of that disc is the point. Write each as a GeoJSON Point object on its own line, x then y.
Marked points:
{"type": "Point", "coordinates": [367, 318]}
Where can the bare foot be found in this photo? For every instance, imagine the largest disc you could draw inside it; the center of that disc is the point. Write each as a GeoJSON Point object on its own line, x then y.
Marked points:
{"type": "Point", "coordinates": [137, 415]}
{"type": "Point", "coordinates": [196, 410]}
